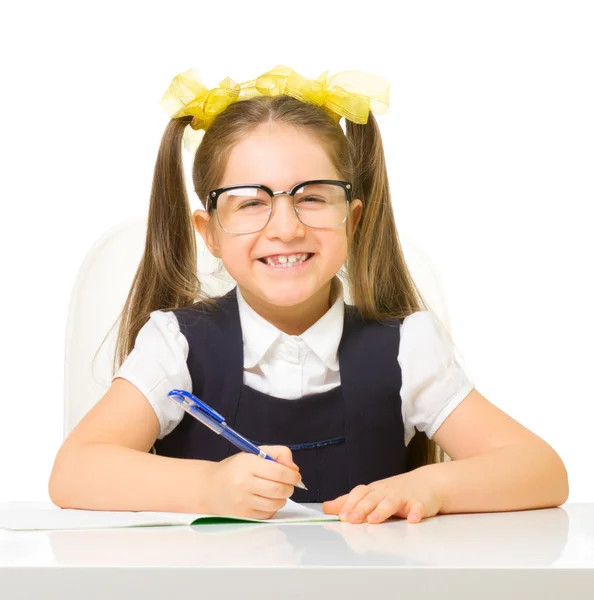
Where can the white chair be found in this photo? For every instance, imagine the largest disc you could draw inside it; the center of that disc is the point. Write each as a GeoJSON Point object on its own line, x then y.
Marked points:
{"type": "Point", "coordinates": [101, 288]}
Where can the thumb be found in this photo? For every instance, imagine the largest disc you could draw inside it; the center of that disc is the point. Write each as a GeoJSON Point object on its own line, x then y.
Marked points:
{"type": "Point", "coordinates": [282, 454]}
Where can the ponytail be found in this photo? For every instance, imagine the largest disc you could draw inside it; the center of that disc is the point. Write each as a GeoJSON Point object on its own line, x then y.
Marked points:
{"type": "Point", "coordinates": [381, 285]}
{"type": "Point", "coordinates": [379, 280]}
{"type": "Point", "coordinates": [167, 276]}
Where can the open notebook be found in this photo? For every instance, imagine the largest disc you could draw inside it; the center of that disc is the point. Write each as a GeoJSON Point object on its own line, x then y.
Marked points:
{"type": "Point", "coordinates": [20, 517]}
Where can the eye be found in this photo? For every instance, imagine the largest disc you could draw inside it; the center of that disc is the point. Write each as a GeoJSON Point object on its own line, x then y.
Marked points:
{"type": "Point", "coordinates": [252, 203]}
{"type": "Point", "coordinates": [313, 199]}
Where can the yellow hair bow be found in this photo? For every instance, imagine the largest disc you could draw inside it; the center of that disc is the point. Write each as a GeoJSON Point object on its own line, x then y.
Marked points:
{"type": "Point", "coordinates": [349, 94]}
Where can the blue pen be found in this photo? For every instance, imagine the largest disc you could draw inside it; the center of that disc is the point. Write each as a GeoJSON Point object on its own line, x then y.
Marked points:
{"type": "Point", "coordinates": [213, 420]}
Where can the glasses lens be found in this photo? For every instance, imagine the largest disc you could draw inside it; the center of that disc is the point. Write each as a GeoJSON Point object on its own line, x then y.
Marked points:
{"type": "Point", "coordinates": [321, 204]}
{"type": "Point", "coordinates": [243, 210]}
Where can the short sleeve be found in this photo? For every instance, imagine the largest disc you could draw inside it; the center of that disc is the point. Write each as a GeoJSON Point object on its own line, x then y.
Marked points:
{"type": "Point", "coordinates": [157, 364]}
{"type": "Point", "coordinates": [433, 382]}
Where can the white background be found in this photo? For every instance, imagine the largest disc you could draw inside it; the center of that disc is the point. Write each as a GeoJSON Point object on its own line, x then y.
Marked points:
{"type": "Point", "coordinates": [489, 141]}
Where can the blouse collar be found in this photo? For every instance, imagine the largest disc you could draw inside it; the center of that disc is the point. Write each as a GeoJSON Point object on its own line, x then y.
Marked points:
{"type": "Point", "coordinates": [322, 338]}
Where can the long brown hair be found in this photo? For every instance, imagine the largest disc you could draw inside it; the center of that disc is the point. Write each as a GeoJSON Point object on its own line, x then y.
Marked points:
{"type": "Point", "coordinates": [376, 273]}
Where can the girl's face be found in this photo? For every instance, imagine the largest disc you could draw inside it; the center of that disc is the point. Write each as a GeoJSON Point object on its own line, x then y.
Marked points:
{"type": "Point", "coordinates": [279, 156]}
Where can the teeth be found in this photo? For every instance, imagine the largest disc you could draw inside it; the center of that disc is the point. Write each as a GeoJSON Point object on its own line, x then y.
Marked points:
{"type": "Point", "coordinates": [286, 261]}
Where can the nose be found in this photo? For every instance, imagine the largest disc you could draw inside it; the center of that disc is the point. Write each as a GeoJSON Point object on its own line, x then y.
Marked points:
{"type": "Point", "coordinates": [283, 222]}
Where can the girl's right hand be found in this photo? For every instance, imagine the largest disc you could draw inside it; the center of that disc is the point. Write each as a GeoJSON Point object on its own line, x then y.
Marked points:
{"type": "Point", "coordinates": [246, 485]}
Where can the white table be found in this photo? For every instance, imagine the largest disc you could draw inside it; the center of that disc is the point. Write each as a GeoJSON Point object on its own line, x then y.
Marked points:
{"type": "Point", "coordinates": [533, 554]}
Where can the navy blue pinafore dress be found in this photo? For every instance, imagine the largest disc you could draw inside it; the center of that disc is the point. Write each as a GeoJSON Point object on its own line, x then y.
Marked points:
{"type": "Point", "coordinates": [347, 436]}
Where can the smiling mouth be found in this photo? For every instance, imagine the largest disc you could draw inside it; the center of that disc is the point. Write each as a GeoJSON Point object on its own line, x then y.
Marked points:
{"type": "Point", "coordinates": [286, 260]}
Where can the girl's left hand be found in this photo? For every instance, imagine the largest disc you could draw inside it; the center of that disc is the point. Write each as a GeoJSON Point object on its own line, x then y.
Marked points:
{"type": "Point", "coordinates": [411, 496]}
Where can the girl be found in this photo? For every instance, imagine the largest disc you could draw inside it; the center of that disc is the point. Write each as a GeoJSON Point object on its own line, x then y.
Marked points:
{"type": "Point", "coordinates": [358, 400]}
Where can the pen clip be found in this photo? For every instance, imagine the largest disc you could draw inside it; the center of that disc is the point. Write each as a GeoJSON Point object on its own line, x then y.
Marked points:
{"type": "Point", "coordinates": [198, 404]}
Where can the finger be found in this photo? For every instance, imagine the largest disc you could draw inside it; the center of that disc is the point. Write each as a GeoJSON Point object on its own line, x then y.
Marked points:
{"type": "Point", "coordinates": [416, 511]}
{"type": "Point", "coordinates": [365, 506]}
{"type": "Point", "coordinates": [385, 509]}
{"type": "Point", "coordinates": [281, 454]}
{"type": "Point", "coordinates": [354, 497]}
{"type": "Point", "coordinates": [266, 504]}
{"type": "Point", "coordinates": [268, 469]}
{"type": "Point", "coordinates": [332, 507]}
{"type": "Point", "coordinates": [271, 489]}
{"type": "Point", "coordinates": [259, 514]}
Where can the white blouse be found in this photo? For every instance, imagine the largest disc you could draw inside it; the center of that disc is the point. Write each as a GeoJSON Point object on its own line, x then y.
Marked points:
{"type": "Point", "coordinates": [291, 366]}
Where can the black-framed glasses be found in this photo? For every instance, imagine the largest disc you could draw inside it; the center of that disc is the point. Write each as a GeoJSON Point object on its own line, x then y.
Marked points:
{"type": "Point", "coordinates": [318, 203]}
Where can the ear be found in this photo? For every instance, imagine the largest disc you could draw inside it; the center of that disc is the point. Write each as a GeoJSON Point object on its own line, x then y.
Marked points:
{"type": "Point", "coordinates": [356, 210]}
{"type": "Point", "coordinates": [201, 222]}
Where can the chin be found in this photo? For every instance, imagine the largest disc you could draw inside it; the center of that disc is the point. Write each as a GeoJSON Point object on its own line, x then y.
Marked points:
{"type": "Point", "coordinates": [289, 298]}
{"type": "Point", "coordinates": [288, 294]}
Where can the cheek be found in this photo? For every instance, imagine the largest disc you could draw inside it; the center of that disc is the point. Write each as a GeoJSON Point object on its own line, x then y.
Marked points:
{"type": "Point", "coordinates": [335, 248]}
{"type": "Point", "coordinates": [235, 254]}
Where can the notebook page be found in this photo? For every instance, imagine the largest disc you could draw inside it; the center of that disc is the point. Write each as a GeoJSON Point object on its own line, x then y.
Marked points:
{"type": "Point", "coordinates": [22, 518]}
{"type": "Point", "coordinates": [292, 512]}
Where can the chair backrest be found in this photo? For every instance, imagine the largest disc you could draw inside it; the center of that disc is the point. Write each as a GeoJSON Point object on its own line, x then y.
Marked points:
{"type": "Point", "coordinates": [101, 288]}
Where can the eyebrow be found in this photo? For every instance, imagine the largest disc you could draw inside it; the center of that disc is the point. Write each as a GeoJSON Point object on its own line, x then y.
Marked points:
{"type": "Point", "coordinates": [286, 189]}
